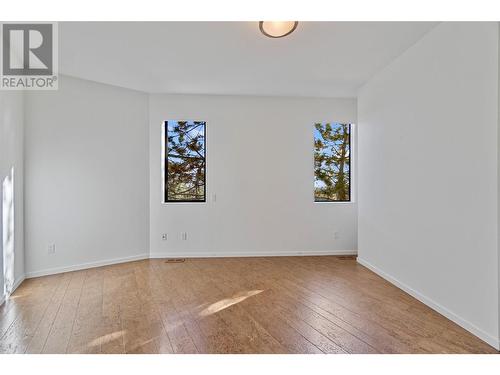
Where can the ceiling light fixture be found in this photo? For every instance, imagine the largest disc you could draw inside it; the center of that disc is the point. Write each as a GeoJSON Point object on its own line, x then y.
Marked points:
{"type": "Point", "coordinates": [274, 29]}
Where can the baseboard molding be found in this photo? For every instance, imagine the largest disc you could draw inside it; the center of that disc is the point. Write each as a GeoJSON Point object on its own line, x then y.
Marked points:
{"type": "Point", "coordinates": [246, 254]}
{"type": "Point", "coordinates": [486, 337]}
{"type": "Point", "coordinates": [182, 254]}
{"type": "Point", "coordinates": [18, 282]}
{"type": "Point", "coordinates": [82, 266]}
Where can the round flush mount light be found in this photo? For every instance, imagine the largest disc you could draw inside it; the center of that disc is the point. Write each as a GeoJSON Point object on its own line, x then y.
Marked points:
{"type": "Point", "coordinates": [277, 29]}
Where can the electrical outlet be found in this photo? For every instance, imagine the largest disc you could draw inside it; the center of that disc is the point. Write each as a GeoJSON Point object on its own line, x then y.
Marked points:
{"type": "Point", "coordinates": [335, 235]}
{"type": "Point", "coordinates": [164, 236]}
{"type": "Point", "coordinates": [184, 236]}
{"type": "Point", "coordinates": [51, 249]}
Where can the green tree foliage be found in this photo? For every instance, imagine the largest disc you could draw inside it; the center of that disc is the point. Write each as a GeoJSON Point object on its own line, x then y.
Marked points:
{"type": "Point", "coordinates": [185, 177]}
{"type": "Point", "coordinates": [332, 162]}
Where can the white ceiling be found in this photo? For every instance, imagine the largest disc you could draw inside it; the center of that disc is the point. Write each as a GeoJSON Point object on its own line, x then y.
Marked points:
{"type": "Point", "coordinates": [325, 59]}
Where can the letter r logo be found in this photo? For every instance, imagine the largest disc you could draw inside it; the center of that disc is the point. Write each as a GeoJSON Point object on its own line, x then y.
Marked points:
{"type": "Point", "coordinates": [27, 49]}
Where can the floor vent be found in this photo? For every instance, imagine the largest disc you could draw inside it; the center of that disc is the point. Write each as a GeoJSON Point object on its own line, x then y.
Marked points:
{"type": "Point", "coordinates": [347, 257]}
{"type": "Point", "coordinates": [175, 260]}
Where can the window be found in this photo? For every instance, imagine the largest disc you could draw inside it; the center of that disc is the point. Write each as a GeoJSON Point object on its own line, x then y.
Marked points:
{"type": "Point", "coordinates": [332, 162]}
{"type": "Point", "coordinates": [185, 161]}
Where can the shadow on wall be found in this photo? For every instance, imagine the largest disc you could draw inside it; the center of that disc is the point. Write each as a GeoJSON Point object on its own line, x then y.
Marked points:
{"type": "Point", "coordinates": [8, 231]}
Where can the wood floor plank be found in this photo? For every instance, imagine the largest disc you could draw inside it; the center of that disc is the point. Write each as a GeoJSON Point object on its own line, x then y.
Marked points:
{"type": "Point", "coordinates": [61, 330]}
{"type": "Point", "coordinates": [182, 332]}
{"type": "Point", "coordinates": [240, 289]}
{"type": "Point", "coordinates": [225, 305]}
{"type": "Point", "coordinates": [40, 336]}
{"type": "Point", "coordinates": [249, 335]}
{"type": "Point", "coordinates": [22, 330]}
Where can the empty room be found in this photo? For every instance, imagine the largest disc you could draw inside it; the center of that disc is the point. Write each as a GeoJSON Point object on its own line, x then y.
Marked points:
{"type": "Point", "coordinates": [249, 187]}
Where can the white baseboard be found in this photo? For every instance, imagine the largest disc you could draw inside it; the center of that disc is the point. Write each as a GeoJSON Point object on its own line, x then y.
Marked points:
{"type": "Point", "coordinates": [486, 337]}
{"type": "Point", "coordinates": [82, 266]}
{"type": "Point", "coordinates": [246, 254]}
{"type": "Point", "coordinates": [18, 282]}
{"type": "Point", "coordinates": [183, 254]}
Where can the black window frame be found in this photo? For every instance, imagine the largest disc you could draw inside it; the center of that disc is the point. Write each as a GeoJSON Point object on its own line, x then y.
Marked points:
{"type": "Point", "coordinates": [350, 164]}
{"type": "Point", "coordinates": [165, 169]}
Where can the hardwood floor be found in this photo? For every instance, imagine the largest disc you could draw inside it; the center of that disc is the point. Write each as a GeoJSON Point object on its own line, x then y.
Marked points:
{"type": "Point", "coordinates": [225, 305]}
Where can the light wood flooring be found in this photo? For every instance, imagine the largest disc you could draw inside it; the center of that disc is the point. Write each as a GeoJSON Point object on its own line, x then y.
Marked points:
{"type": "Point", "coordinates": [226, 305]}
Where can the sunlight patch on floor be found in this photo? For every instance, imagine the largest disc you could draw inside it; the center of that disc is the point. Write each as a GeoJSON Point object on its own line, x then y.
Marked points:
{"type": "Point", "coordinates": [106, 338]}
{"type": "Point", "coordinates": [19, 295]}
{"type": "Point", "coordinates": [227, 302]}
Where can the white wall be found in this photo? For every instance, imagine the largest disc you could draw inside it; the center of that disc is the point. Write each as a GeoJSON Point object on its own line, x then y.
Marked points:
{"type": "Point", "coordinates": [428, 185]}
{"type": "Point", "coordinates": [87, 176]}
{"type": "Point", "coordinates": [260, 166]}
{"type": "Point", "coordinates": [11, 157]}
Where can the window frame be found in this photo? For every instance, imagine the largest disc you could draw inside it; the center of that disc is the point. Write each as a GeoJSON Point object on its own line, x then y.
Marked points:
{"type": "Point", "coordinates": [352, 126]}
{"type": "Point", "coordinates": [164, 164]}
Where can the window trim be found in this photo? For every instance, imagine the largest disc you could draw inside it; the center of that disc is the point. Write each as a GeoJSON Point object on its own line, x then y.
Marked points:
{"type": "Point", "coordinates": [351, 162]}
{"type": "Point", "coordinates": [164, 165]}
